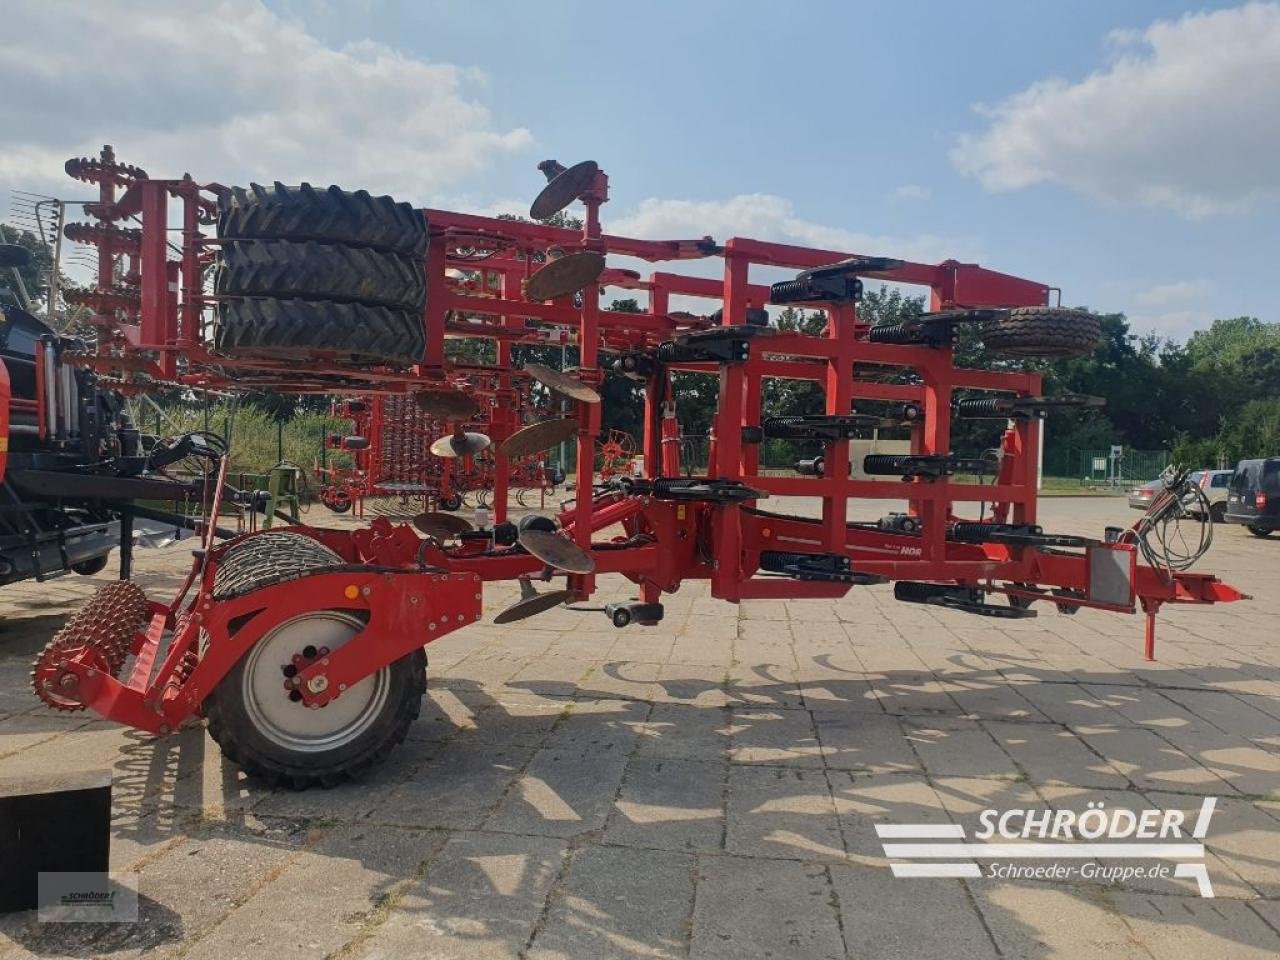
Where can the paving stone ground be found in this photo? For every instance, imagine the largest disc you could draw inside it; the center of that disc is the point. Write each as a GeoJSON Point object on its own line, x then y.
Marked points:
{"type": "Point", "coordinates": [709, 787]}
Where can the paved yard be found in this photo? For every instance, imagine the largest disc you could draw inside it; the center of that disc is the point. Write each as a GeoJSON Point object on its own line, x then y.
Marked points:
{"type": "Point", "coordinates": [708, 788]}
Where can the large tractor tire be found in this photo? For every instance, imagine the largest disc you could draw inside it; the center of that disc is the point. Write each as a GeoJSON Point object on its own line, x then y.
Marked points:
{"type": "Point", "coordinates": [265, 327]}
{"type": "Point", "coordinates": [286, 270]}
{"type": "Point", "coordinates": [330, 215]}
{"type": "Point", "coordinates": [264, 728]}
{"type": "Point", "coordinates": [1041, 332]}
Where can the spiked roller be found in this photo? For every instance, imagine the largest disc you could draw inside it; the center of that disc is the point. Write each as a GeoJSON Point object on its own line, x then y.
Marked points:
{"type": "Point", "coordinates": [100, 635]}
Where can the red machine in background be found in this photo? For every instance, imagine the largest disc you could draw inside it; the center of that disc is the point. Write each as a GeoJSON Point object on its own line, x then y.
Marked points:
{"type": "Point", "coordinates": [359, 296]}
{"type": "Point", "coordinates": [389, 445]}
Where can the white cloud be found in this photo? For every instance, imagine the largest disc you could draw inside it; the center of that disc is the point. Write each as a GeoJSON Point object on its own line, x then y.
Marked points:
{"type": "Point", "coordinates": [230, 91]}
{"type": "Point", "coordinates": [1184, 118]}
{"type": "Point", "coordinates": [911, 191]}
{"type": "Point", "coordinates": [762, 216]}
{"type": "Point", "coordinates": [1177, 292]}
{"type": "Point", "coordinates": [1174, 310]}
{"type": "Point", "coordinates": [1172, 324]}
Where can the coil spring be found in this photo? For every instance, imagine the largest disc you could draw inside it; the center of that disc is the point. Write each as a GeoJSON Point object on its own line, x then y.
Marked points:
{"type": "Point", "coordinates": [979, 408]}
{"type": "Point", "coordinates": [980, 531]}
{"type": "Point", "coordinates": [791, 290]}
{"type": "Point", "coordinates": [882, 463]}
{"type": "Point", "coordinates": [973, 531]}
{"type": "Point", "coordinates": [890, 333]}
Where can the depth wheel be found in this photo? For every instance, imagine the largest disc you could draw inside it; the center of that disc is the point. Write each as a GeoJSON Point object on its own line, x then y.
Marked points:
{"type": "Point", "coordinates": [87, 568]}
{"type": "Point", "coordinates": [264, 728]}
{"type": "Point", "coordinates": [339, 502]}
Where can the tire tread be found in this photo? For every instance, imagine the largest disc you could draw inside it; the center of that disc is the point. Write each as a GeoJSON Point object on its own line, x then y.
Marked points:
{"type": "Point", "coordinates": [1049, 332]}
{"type": "Point", "coordinates": [304, 212]}
{"type": "Point", "coordinates": [286, 269]}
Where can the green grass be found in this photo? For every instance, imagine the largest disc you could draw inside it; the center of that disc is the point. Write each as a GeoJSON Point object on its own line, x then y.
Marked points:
{"type": "Point", "coordinates": [257, 442]}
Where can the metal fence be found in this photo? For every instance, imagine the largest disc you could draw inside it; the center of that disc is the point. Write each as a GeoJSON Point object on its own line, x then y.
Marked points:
{"type": "Point", "coordinates": [1116, 465]}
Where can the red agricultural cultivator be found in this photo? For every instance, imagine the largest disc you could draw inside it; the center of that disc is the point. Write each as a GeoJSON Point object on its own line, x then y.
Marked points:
{"type": "Point", "coordinates": [303, 647]}
{"type": "Point", "coordinates": [389, 445]}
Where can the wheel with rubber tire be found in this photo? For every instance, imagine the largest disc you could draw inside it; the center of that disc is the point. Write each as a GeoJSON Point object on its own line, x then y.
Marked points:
{"type": "Point", "coordinates": [260, 724]}
{"type": "Point", "coordinates": [1259, 531]}
{"type": "Point", "coordinates": [339, 501]}
{"type": "Point", "coordinates": [297, 329]}
{"type": "Point", "coordinates": [285, 269]}
{"type": "Point", "coordinates": [270, 734]}
{"type": "Point", "coordinates": [1048, 332]}
{"type": "Point", "coordinates": [327, 214]}
{"type": "Point", "coordinates": [87, 568]}
{"type": "Point", "coordinates": [1218, 512]}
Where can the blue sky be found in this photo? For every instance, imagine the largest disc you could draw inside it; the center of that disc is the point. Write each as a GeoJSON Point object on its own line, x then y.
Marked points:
{"type": "Point", "coordinates": [1123, 151]}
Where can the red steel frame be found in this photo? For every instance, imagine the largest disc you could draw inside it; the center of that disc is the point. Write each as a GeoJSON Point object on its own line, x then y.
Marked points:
{"type": "Point", "coordinates": [404, 582]}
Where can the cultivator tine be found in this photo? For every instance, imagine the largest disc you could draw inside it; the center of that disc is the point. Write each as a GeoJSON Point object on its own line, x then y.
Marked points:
{"type": "Point", "coordinates": [556, 551]}
{"type": "Point", "coordinates": [564, 185]}
{"type": "Point", "coordinates": [538, 437]}
{"type": "Point", "coordinates": [566, 275]}
{"type": "Point", "coordinates": [531, 602]}
{"type": "Point", "coordinates": [562, 383]}
{"type": "Point", "coordinates": [100, 635]}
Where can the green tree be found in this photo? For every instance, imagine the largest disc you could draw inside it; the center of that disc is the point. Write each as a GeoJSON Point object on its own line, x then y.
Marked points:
{"type": "Point", "coordinates": [35, 274]}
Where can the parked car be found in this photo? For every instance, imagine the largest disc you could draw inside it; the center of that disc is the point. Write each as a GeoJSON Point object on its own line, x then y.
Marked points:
{"type": "Point", "coordinates": [1140, 497]}
{"type": "Point", "coordinates": [1214, 485]}
{"type": "Point", "coordinates": [1253, 496]}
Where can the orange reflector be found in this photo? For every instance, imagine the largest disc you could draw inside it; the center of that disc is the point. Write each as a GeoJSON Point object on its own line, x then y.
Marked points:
{"type": "Point", "coordinates": [766, 532]}
{"type": "Point", "coordinates": [351, 591]}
